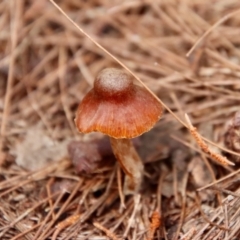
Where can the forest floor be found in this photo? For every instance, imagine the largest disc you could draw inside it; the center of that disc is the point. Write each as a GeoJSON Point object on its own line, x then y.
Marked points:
{"type": "Point", "coordinates": [187, 52]}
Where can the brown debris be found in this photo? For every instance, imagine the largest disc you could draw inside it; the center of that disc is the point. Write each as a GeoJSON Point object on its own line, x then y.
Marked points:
{"type": "Point", "coordinates": [217, 157]}
{"type": "Point", "coordinates": [106, 231]}
{"type": "Point", "coordinates": [38, 149]}
{"type": "Point", "coordinates": [47, 65]}
{"type": "Point", "coordinates": [87, 156]}
{"type": "Point", "coordinates": [155, 224]}
{"type": "Point", "coordinates": [67, 222]}
{"type": "Point", "coordinates": [232, 135]}
{"type": "Point", "coordinates": [92, 156]}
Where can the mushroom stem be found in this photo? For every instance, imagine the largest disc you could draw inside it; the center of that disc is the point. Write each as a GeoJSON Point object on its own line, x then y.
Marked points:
{"type": "Point", "coordinates": [130, 162]}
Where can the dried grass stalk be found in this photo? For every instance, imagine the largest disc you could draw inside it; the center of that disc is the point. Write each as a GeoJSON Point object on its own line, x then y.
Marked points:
{"type": "Point", "coordinates": [215, 156]}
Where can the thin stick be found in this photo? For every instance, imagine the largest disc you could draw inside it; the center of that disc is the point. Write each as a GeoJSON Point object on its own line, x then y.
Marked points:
{"type": "Point", "coordinates": [155, 224]}
{"type": "Point", "coordinates": [44, 222]}
{"type": "Point", "coordinates": [206, 218]}
{"type": "Point", "coordinates": [159, 190]}
{"type": "Point", "coordinates": [222, 20]}
{"type": "Point", "coordinates": [64, 224]}
{"type": "Point", "coordinates": [22, 216]}
{"type": "Point", "coordinates": [190, 234]}
{"type": "Point", "coordinates": [106, 231]}
{"type": "Point", "coordinates": [226, 220]}
{"type": "Point", "coordinates": [225, 191]}
{"type": "Point", "coordinates": [20, 235]}
{"type": "Point", "coordinates": [120, 190]}
{"type": "Point", "coordinates": [44, 233]}
{"type": "Point", "coordinates": [184, 202]}
{"type": "Point", "coordinates": [15, 16]}
{"type": "Point", "coordinates": [219, 180]}
{"type": "Point", "coordinates": [49, 183]}
{"type": "Point", "coordinates": [131, 219]}
{"type": "Point", "coordinates": [217, 157]}
{"type": "Point", "coordinates": [61, 73]}
{"type": "Point", "coordinates": [100, 201]}
{"type": "Point", "coordinates": [175, 184]}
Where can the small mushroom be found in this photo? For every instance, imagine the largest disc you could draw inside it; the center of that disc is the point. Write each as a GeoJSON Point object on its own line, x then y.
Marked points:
{"type": "Point", "coordinates": [122, 110]}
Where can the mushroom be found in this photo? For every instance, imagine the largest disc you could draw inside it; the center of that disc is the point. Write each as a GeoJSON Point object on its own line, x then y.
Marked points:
{"type": "Point", "coordinates": [122, 110]}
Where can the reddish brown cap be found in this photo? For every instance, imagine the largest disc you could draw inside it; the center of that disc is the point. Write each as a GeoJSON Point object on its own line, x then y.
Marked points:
{"type": "Point", "coordinates": [117, 107]}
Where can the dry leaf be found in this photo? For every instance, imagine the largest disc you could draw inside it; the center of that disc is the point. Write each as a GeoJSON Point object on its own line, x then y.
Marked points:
{"type": "Point", "coordinates": [38, 149]}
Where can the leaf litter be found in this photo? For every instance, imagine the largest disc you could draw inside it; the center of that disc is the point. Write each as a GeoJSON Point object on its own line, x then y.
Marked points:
{"type": "Point", "coordinates": [47, 66]}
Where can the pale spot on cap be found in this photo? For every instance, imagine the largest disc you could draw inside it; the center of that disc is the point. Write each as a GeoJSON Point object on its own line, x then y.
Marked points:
{"type": "Point", "coordinates": [112, 82]}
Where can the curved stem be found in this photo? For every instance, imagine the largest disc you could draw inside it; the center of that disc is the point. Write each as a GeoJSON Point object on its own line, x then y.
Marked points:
{"type": "Point", "coordinates": [130, 162]}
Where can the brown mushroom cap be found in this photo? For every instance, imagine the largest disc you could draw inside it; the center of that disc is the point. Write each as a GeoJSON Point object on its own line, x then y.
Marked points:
{"type": "Point", "coordinates": [117, 107]}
